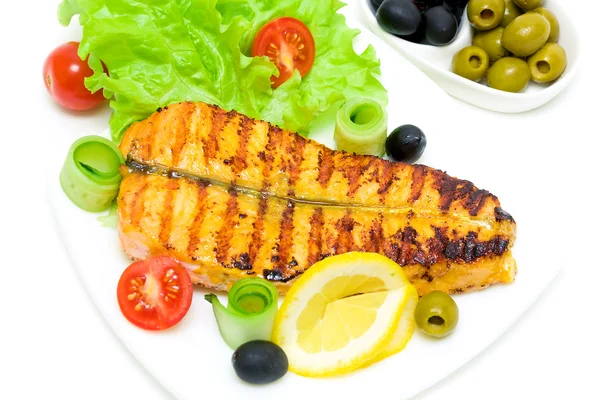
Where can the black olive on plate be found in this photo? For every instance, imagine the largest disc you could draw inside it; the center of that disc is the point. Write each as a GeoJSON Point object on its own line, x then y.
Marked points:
{"type": "Point", "coordinates": [399, 17]}
{"type": "Point", "coordinates": [406, 143]}
{"type": "Point", "coordinates": [440, 26]}
{"type": "Point", "coordinates": [259, 362]}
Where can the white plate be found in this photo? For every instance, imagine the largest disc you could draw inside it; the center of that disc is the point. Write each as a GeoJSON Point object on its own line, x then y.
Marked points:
{"type": "Point", "coordinates": [192, 361]}
{"type": "Point", "coordinates": [436, 62]}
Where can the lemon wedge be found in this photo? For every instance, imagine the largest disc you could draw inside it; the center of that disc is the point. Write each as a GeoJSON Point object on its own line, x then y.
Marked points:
{"type": "Point", "coordinates": [345, 312]}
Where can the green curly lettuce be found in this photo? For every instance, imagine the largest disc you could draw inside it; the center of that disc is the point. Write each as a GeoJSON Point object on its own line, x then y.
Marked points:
{"type": "Point", "coordinates": [338, 73]}
{"type": "Point", "coordinates": [159, 52]}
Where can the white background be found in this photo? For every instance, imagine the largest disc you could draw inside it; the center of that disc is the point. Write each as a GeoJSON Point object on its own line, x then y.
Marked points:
{"type": "Point", "coordinates": [53, 344]}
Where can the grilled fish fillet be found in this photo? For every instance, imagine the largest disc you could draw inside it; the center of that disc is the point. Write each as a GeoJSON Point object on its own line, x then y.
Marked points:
{"type": "Point", "coordinates": [232, 197]}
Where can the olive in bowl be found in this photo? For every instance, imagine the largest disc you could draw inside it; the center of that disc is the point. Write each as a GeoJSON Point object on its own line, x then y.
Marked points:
{"type": "Point", "coordinates": [548, 64]}
{"type": "Point", "coordinates": [526, 34]}
{"type": "Point", "coordinates": [509, 74]}
{"type": "Point", "coordinates": [471, 63]}
{"type": "Point", "coordinates": [528, 4]}
{"type": "Point", "coordinates": [399, 17]}
{"type": "Point", "coordinates": [440, 25]}
{"type": "Point", "coordinates": [510, 13]}
{"type": "Point", "coordinates": [491, 42]}
{"type": "Point", "coordinates": [486, 14]}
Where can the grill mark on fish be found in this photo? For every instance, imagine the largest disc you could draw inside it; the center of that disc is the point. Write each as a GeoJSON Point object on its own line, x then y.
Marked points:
{"type": "Point", "coordinates": [268, 158]}
{"type": "Point", "coordinates": [211, 142]}
{"type": "Point", "coordinates": [354, 175]}
{"type": "Point", "coordinates": [419, 174]}
{"type": "Point", "coordinates": [475, 201]}
{"type": "Point", "coordinates": [201, 208]}
{"type": "Point", "coordinates": [227, 228]}
{"type": "Point", "coordinates": [137, 205]}
{"type": "Point", "coordinates": [181, 138]}
{"type": "Point", "coordinates": [296, 158]}
{"type": "Point", "coordinates": [385, 178]}
{"type": "Point", "coordinates": [344, 242]}
{"type": "Point", "coordinates": [374, 242]}
{"type": "Point", "coordinates": [164, 234]}
{"type": "Point", "coordinates": [241, 153]}
{"type": "Point", "coordinates": [315, 236]}
{"type": "Point", "coordinates": [259, 224]}
{"type": "Point", "coordinates": [284, 244]}
{"type": "Point", "coordinates": [325, 167]}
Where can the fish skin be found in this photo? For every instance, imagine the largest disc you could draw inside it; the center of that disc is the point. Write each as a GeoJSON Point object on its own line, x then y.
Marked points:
{"type": "Point", "coordinates": [232, 197]}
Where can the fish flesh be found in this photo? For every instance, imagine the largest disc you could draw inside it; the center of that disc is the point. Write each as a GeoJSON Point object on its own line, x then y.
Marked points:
{"type": "Point", "coordinates": [233, 197]}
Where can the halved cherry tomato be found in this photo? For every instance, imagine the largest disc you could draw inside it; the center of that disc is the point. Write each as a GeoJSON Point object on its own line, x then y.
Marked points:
{"type": "Point", "coordinates": [155, 293]}
{"type": "Point", "coordinates": [64, 75]}
{"type": "Point", "coordinates": [289, 45]}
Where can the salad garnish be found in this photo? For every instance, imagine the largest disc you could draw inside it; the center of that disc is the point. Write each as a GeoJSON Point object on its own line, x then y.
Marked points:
{"type": "Point", "coordinates": [361, 127]}
{"type": "Point", "coordinates": [250, 312]}
{"type": "Point", "coordinates": [201, 51]}
{"type": "Point", "coordinates": [90, 174]}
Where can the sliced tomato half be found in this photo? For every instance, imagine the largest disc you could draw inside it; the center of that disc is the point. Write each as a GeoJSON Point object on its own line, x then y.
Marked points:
{"type": "Point", "coordinates": [289, 45]}
{"type": "Point", "coordinates": [155, 293]}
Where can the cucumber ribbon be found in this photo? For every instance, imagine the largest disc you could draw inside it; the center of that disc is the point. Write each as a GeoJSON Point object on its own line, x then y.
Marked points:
{"type": "Point", "coordinates": [361, 127]}
{"type": "Point", "coordinates": [250, 312]}
{"type": "Point", "coordinates": [90, 175]}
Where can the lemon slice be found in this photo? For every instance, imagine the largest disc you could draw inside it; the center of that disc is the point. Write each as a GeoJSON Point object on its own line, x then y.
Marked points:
{"type": "Point", "coordinates": [344, 312]}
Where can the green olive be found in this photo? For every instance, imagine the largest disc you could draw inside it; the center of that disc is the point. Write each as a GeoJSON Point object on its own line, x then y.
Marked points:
{"type": "Point", "coordinates": [548, 64]}
{"type": "Point", "coordinates": [471, 62]}
{"type": "Point", "coordinates": [491, 42]}
{"type": "Point", "coordinates": [526, 34]}
{"type": "Point", "coordinates": [436, 314]}
{"type": "Point", "coordinates": [511, 12]}
{"type": "Point", "coordinates": [554, 24]}
{"type": "Point", "coordinates": [485, 14]}
{"type": "Point", "coordinates": [529, 4]}
{"type": "Point", "coordinates": [509, 74]}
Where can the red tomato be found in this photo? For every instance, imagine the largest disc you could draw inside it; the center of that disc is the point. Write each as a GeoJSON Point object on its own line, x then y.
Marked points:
{"type": "Point", "coordinates": [289, 45]}
{"type": "Point", "coordinates": [64, 74]}
{"type": "Point", "coordinates": [156, 293]}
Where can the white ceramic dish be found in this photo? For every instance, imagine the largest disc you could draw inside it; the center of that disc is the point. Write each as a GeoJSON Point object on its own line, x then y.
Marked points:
{"type": "Point", "coordinates": [436, 62]}
{"type": "Point", "coordinates": [191, 360]}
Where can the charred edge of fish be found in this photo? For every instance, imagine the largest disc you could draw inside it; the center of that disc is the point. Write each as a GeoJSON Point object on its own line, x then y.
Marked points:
{"type": "Point", "coordinates": [502, 215]}
{"type": "Point", "coordinates": [243, 263]}
{"type": "Point", "coordinates": [276, 275]}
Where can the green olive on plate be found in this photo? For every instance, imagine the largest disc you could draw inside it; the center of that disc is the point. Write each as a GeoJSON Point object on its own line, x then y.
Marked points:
{"type": "Point", "coordinates": [529, 4]}
{"type": "Point", "coordinates": [510, 13]}
{"type": "Point", "coordinates": [436, 314]}
{"type": "Point", "coordinates": [491, 42]}
{"type": "Point", "coordinates": [526, 34]}
{"type": "Point", "coordinates": [485, 14]}
{"type": "Point", "coordinates": [509, 74]}
{"type": "Point", "coordinates": [471, 62]}
{"type": "Point", "coordinates": [554, 24]}
{"type": "Point", "coordinates": [548, 64]}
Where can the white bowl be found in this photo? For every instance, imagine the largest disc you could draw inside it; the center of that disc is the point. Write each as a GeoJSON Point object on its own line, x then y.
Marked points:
{"type": "Point", "coordinates": [436, 62]}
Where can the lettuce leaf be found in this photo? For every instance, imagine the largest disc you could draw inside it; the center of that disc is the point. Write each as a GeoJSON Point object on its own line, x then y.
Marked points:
{"type": "Point", "coordinates": [158, 52]}
{"type": "Point", "coordinates": [338, 72]}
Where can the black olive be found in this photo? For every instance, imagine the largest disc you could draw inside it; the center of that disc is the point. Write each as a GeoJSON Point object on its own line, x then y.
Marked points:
{"type": "Point", "coordinates": [399, 17]}
{"type": "Point", "coordinates": [423, 5]}
{"type": "Point", "coordinates": [406, 143]}
{"type": "Point", "coordinates": [259, 362]}
{"type": "Point", "coordinates": [418, 36]}
{"type": "Point", "coordinates": [440, 26]}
